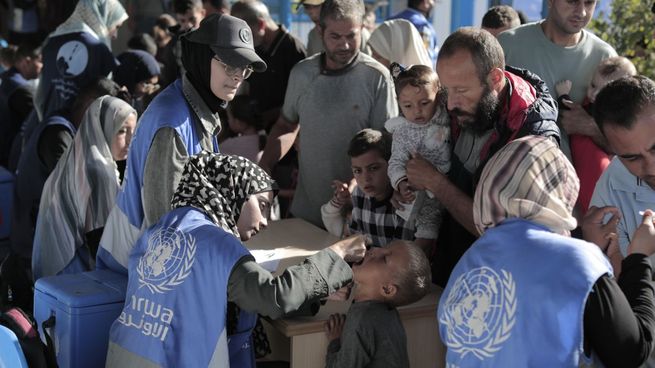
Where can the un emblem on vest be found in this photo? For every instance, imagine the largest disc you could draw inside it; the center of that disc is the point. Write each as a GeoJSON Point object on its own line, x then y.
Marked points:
{"type": "Point", "coordinates": [72, 59]}
{"type": "Point", "coordinates": [167, 260]}
{"type": "Point", "coordinates": [479, 312]}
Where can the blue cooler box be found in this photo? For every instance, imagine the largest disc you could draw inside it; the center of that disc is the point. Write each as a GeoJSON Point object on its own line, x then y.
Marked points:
{"type": "Point", "coordinates": [84, 305]}
{"type": "Point", "coordinates": [6, 198]}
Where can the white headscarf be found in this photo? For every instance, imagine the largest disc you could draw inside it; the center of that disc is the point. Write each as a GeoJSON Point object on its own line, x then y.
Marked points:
{"type": "Point", "coordinates": [398, 41]}
{"type": "Point", "coordinates": [96, 17]}
{"type": "Point", "coordinates": [81, 190]}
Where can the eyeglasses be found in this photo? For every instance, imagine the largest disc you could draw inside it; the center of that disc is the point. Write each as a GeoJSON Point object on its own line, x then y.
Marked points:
{"type": "Point", "coordinates": [234, 71]}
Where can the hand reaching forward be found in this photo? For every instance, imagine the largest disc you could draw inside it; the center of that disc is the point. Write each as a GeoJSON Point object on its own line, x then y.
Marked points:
{"type": "Point", "coordinates": [351, 249]}
{"type": "Point", "coordinates": [341, 193]}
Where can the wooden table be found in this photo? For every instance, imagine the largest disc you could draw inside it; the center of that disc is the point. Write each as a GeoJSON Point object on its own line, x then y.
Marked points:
{"type": "Point", "coordinates": [301, 340]}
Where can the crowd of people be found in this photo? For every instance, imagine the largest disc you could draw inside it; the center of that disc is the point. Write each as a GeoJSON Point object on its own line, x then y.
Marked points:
{"type": "Point", "coordinates": [489, 166]}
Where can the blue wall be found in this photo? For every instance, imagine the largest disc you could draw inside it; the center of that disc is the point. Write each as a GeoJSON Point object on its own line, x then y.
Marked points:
{"type": "Point", "coordinates": [461, 14]}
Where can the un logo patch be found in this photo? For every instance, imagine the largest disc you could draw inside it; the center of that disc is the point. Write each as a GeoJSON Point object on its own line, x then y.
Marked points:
{"type": "Point", "coordinates": [72, 59]}
{"type": "Point", "coordinates": [167, 260]}
{"type": "Point", "coordinates": [479, 312]}
{"type": "Point", "coordinates": [244, 35]}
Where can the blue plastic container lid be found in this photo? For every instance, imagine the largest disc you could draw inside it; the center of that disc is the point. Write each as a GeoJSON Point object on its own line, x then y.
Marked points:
{"type": "Point", "coordinates": [86, 289]}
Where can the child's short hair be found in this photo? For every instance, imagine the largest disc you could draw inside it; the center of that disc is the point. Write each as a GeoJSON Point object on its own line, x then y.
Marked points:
{"type": "Point", "coordinates": [183, 6]}
{"type": "Point", "coordinates": [413, 281]}
{"type": "Point", "coordinates": [246, 109]}
{"type": "Point", "coordinates": [415, 75]}
{"type": "Point", "coordinates": [616, 65]}
{"type": "Point", "coordinates": [501, 16]}
{"type": "Point", "coordinates": [370, 139]}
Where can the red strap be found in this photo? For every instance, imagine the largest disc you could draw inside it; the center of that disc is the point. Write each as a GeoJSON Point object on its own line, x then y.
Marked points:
{"type": "Point", "coordinates": [22, 322]}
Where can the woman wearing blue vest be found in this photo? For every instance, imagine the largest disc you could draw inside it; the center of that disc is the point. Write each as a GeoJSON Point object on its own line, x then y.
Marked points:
{"type": "Point", "coordinates": [526, 294]}
{"type": "Point", "coordinates": [77, 53]}
{"type": "Point", "coordinates": [180, 122]}
{"type": "Point", "coordinates": [194, 290]}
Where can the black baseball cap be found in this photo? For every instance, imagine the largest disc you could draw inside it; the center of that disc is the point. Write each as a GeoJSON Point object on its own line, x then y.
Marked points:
{"type": "Point", "coordinates": [230, 38]}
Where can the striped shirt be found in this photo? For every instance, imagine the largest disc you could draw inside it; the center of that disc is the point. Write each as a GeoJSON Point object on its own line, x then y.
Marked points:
{"type": "Point", "coordinates": [378, 219]}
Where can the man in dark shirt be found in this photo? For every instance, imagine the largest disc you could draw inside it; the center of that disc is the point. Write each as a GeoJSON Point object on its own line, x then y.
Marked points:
{"type": "Point", "coordinates": [278, 48]}
{"type": "Point", "coordinates": [16, 95]}
{"type": "Point", "coordinates": [281, 51]}
{"type": "Point", "coordinates": [189, 14]}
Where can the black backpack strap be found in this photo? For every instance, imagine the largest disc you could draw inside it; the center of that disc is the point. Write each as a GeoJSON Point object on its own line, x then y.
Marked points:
{"type": "Point", "coordinates": [49, 349]}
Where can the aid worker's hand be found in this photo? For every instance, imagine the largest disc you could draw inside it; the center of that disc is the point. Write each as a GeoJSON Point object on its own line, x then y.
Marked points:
{"type": "Point", "coordinates": [351, 249]}
{"type": "Point", "coordinates": [643, 240]}
{"type": "Point", "coordinates": [342, 294]}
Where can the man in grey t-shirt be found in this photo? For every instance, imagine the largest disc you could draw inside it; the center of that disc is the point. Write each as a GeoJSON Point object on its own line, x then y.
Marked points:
{"type": "Point", "coordinates": [332, 95]}
{"type": "Point", "coordinates": [558, 48]}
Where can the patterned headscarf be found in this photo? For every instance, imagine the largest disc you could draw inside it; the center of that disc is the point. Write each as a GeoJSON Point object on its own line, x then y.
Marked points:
{"type": "Point", "coordinates": [94, 16]}
{"type": "Point", "coordinates": [529, 178]}
{"type": "Point", "coordinates": [218, 185]}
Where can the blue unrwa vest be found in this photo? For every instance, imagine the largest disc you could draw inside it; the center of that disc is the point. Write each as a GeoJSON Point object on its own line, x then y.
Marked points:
{"type": "Point", "coordinates": [126, 220]}
{"type": "Point", "coordinates": [71, 61]}
{"type": "Point", "coordinates": [517, 298]}
{"type": "Point", "coordinates": [176, 302]}
{"type": "Point", "coordinates": [30, 179]}
{"type": "Point", "coordinates": [169, 109]}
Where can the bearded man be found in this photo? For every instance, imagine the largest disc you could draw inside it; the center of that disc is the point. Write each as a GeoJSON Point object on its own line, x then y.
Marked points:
{"type": "Point", "coordinates": [490, 105]}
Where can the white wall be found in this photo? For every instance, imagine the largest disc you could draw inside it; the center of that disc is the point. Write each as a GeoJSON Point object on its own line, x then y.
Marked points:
{"type": "Point", "coordinates": [479, 8]}
{"type": "Point", "coordinates": [441, 19]}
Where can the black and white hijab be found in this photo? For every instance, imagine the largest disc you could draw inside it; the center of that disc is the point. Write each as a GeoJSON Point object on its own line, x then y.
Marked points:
{"type": "Point", "coordinates": [219, 185]}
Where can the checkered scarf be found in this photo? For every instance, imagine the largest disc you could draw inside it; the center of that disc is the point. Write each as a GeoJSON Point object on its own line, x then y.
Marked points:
{"type": "Point", "coordinates": [529, 178]}
{"type": "Point", "coordinates": [218, 185]}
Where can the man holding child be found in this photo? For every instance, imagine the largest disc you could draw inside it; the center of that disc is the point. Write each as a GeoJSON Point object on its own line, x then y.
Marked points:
{"type": "Point", "coordinates": [489, 106]}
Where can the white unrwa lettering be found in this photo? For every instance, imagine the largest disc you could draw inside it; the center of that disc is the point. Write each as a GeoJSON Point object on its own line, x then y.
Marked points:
{"type": "Point", "coordinates": [151, 318]}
